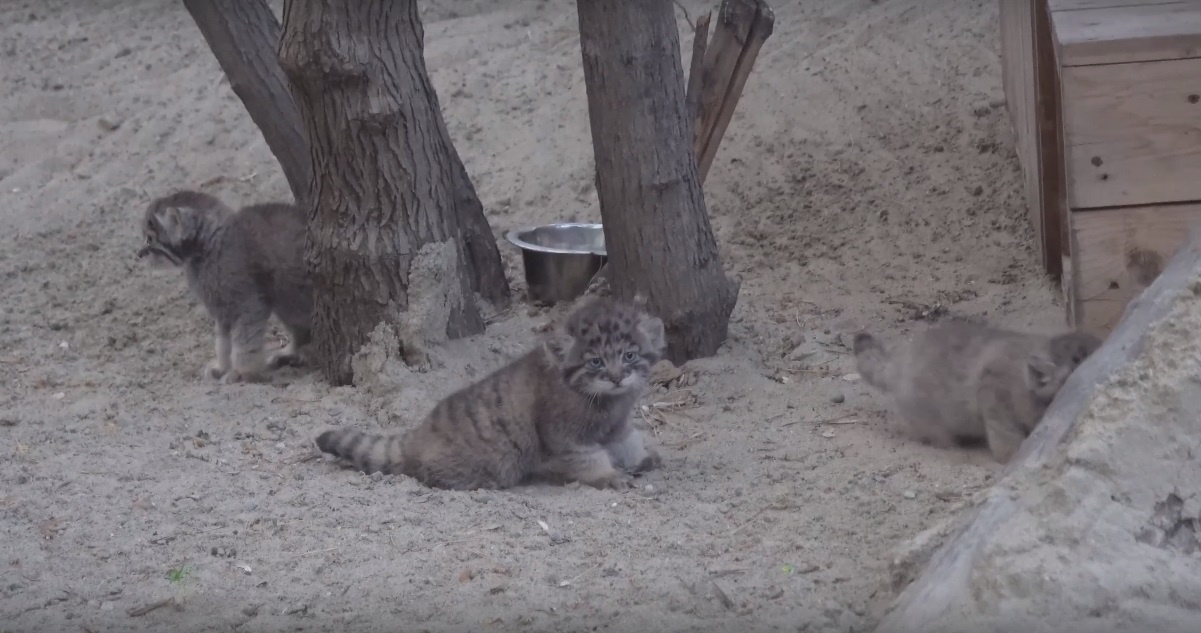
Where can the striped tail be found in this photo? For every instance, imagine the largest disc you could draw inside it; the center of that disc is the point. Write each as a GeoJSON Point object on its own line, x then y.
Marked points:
{"type": "Point", "coordinates": [368, 452]}
{"type": "Point", "coordinates": [872, 361]}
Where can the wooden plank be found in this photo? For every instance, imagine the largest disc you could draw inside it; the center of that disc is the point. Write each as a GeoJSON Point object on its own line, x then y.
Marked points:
{"type": "Point", "coordinates": [743, 51]}
{"type": "Point", "coordinates": [1052, 173]}
{"type": "Point", "coordinates": [1129, 33]}
{"type": "Point", "coordinates": [1017, 76]}
{"type": "Point", "coordinates": [1031, 93]}
{"type": "Point", "coordinates": [1132, 133]}
{"type": "Point", "coordinates": [942, 598]}
{"type": "Point", "coordinates": [1072, 5]}
{"type": "Point", "coordinates": [730, 32]}
{"type": "Point", "coordinates": [1119, 252]}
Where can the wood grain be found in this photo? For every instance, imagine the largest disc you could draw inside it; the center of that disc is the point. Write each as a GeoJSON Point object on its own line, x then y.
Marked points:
{"type": "Point", "coordinates": [1031, 92]}
{"type": "Point", "coordinates": [1118, 253]}
{"type": "Point", "coordinates": [1129, 33]}
{"type": "Point", "coordinates": [1071, 5]}
{"type": "Point", "coordinates": [1132, 133]}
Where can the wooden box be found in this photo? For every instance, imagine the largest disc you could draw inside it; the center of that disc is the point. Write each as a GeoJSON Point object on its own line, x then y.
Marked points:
{"type": "Point", "coordinates": [1120, 151]}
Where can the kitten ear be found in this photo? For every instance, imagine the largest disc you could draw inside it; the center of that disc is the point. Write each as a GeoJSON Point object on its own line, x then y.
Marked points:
{"type": "Point", "coordinates": [652, 328]}
{"type": "Point", "coordinates": [1039, 370]}
{"type": "Point", "coordinates": [171, 221]}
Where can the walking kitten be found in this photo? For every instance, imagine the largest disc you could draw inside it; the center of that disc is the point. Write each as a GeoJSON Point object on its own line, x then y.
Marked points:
{"type": "Point", "coordinates": [243, 266]}
{"type": "Point", "coordinates": [560, 413]}
{"type": "Point", "coordinates": [960, 381]}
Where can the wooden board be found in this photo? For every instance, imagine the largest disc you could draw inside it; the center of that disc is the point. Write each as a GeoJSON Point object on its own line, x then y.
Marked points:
{"type": "Point", "coordinates": [1124, 34]}
{"type": "Point", "coordinates": [1132, 133]}
{"type": "Point", "coordinates": [1118, 253]}
{"type": "Point", "coordinates": [1028, 78]}
{"type": "Point", "coordinates": [1069, 5]}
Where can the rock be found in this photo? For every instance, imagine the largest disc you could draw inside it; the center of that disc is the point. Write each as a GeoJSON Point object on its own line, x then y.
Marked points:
{"type": "Point", "coordinates": [664, 372]}
{"type": "Point", "coordinates": [838, 398]}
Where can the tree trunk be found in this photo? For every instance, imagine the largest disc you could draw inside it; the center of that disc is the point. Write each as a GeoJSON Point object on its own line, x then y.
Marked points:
{"type": "Point", "coordinates": [385, 181]}
{"type": "Point", "coordinates": [483, 256]}
{"type": "Point", "coordinates": [243, 35]}
{"type": "Point", "coordinates": [657, 231]}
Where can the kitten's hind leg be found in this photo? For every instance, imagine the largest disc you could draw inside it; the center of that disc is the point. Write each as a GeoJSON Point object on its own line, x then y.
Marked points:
{"type": "Point", "coordinates": [630, 454]}
{"type": "Point", "coordinates": [248, 360]}
{"type": "Point", "coordinates": [589, 465]}
{"type": "Point", "coordinates": [220, 365]}
{"type": "Point", "coordinates": [298, 337]}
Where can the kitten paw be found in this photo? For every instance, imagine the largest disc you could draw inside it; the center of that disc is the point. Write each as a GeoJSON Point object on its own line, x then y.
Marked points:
{"type": "Point", "coordinates": [617, 481]}
{"type": "Point", "coordinates": [213, 371]}
{"type": "Point", "coordinates": [235, 376]}
{"type": "Point", "coordinates": [650, 462]}
{"type": "Point", "coordinates": [284, 359]}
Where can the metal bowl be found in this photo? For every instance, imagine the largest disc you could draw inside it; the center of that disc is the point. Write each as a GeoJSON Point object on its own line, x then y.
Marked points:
{"type": "Point", "coordinates": [559, 259]}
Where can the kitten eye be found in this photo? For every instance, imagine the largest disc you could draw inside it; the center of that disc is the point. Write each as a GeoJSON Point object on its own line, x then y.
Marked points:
{"type": "Point", "coordinates": [595, 362]}
{"type": "Point", "coordinates": [630, 356]}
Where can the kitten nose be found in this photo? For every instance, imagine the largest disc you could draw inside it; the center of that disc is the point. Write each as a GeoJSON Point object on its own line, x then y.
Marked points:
{"type": "Point", "coordinates": [615, 376]}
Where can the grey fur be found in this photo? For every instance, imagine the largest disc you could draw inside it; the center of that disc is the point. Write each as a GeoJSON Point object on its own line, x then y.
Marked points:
{"type": "Point", "coordinates": [960, 381]}
{"type": "Point", "coordinates": [243, 266]}
{"type": "Point", "coordinates": [561, 412]}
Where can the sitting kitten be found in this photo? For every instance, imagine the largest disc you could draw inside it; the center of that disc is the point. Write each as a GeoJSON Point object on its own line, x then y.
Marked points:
{"type": "Point", "coordinates": [959, 381]}
{"type": "Point", "coordinates": [243, 267]}
{"type": "Point", "coordinates": [561, 412]}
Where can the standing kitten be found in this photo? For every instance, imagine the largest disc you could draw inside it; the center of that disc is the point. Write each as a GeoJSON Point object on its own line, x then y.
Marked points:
{"type": "Point", "coordinates": [561, 412]}
{"type": "Point", "coordinates": [960, 381]}
{"type": "Point", "coordinates": [243, 267]}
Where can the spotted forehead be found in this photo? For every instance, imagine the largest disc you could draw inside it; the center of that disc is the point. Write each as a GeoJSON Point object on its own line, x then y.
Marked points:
{"type": "Point", "coordinates": [607, 329]}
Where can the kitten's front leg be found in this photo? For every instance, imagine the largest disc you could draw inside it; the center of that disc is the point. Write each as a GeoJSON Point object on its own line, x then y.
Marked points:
{"type": "Point", "coordinates": [1004, 437]}
{"type": "Point", "coordinates": [220, 365]}
{"type": "Point", "coordinates": [630, 454]}
{"type": "Point", "coordinates": [290, 354]}
{"type": "Point", "coordinates": [248, 362]}
{"type": "Point", "coordinates": [589, 465]}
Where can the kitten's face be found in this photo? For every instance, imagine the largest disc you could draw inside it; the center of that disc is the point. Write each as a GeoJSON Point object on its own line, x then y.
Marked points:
{"type": "Point", "coordinates": [612, 349]}
{"type": "Point", "coordinates": [1047, 371]}
{"type": "Point", "coordinates": [170, 234]}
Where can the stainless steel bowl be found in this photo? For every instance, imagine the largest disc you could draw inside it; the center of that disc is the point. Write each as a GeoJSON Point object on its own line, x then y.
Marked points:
{"type": "Point", "coordinates": [559, 259]}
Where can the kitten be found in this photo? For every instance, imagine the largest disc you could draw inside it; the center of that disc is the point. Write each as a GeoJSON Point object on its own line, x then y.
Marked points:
{"type": "Point", "coordinates": [959, 382]}
{"type": "Point", "coordinates": [562, 412]}
{"type": "Point", "coordinates": [243, 266]}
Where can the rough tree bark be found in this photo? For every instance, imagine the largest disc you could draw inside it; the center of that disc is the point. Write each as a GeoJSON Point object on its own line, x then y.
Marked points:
{"type": "Point", "coordinates": [244, 37]}
{"type": "Point", "coordinates": [385, 179]}
{"type": "Point", "coordinates": [657, 231]}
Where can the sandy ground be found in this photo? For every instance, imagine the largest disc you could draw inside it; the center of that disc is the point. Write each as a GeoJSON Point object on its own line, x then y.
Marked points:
{"type": "Point", "coordinates": [870, 168]}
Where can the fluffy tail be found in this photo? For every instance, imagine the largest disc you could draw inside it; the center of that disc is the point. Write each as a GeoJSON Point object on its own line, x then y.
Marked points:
{"type": "Point", "coordinates": [872, 361]}
{"type": "Point", "coordinates": [368, 452]}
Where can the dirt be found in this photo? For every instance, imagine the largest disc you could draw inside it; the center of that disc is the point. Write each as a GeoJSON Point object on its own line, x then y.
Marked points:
{"type": "Point", "coordinates": [868, 180]}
